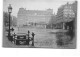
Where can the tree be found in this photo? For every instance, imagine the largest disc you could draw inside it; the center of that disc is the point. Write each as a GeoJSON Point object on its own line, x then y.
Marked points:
{"type": "Point", "coordinates": [6, 19]}
{"type": "Point", "coordinates": [53, 19]}
{"type": "Point", "coordinates": [14, 21]}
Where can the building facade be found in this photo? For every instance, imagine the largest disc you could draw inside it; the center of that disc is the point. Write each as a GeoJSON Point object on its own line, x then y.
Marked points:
{"type": "Point", "coordinates": [33, 16]}
{"type": "Point", "coordinates": [65, 14]}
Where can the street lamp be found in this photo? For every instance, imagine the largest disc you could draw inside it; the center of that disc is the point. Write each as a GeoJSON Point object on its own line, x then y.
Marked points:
{"type": "Point", "coordinates": [9, 11]}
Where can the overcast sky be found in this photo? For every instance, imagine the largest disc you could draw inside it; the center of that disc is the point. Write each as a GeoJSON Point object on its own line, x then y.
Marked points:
{"type": "Point", "coordinates": [34, 4]}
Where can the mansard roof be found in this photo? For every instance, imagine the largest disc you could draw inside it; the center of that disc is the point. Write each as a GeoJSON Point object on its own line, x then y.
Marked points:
{"type": "Point", "coordinates": [24, 11]}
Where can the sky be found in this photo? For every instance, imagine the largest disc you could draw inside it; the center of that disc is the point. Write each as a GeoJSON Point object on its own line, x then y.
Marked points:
{"type": "Point", "coordinates": [33, 5]}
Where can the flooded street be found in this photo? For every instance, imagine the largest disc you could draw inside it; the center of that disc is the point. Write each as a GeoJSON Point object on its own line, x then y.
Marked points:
{"type": "Point", "coordinates": [40, 24]}
{"type": "Point", "coordinates": [42, 38]}
{"type": "Point", "coordinates": [46, 38]}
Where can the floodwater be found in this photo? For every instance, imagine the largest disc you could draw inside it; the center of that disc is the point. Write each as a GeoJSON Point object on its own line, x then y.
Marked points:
{"type": "Point", "coordinates": [42, 38]}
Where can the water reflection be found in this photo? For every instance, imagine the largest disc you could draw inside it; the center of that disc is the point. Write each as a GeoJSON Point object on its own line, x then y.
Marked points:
{"type": "Point", "coordinates": [51, 38]}
{"type": "Point", "coordinates": [64, 38]}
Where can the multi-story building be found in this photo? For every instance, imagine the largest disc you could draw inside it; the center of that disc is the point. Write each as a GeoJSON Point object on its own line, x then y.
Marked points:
{"type": "Point", "coordinates": [65, 14]}
{"type": "Point", "coordinates": [33, 16]}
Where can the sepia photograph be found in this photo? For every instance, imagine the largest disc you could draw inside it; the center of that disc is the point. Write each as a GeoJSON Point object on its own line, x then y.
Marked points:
{"type": "Point", "coordinates": [40, 24]}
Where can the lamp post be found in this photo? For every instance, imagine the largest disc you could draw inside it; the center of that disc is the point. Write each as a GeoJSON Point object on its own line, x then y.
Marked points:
{"type": "Point", "coordinates": [9, 11]}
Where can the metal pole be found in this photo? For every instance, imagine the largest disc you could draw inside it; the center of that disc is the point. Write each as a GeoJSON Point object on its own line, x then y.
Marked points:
{"type": "Point", "coordinates": [33, 41]}
{"type": "Point", "coordinates": [28, 36]}
{"type": "Point", "coordinates": [9, 25]}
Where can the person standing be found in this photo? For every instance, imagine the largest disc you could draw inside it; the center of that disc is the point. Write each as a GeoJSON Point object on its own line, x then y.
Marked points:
{"type": "Point", "coordinates": [33, 38]}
